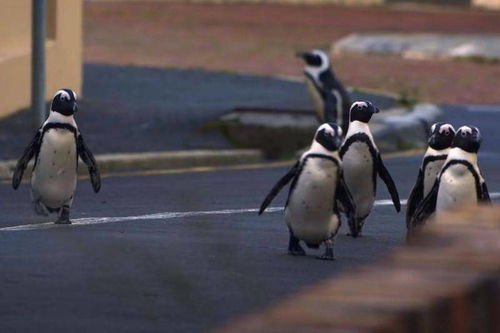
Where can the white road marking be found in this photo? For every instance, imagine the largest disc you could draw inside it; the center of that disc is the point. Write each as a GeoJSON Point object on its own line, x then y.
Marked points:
{"type": "Point", "coordinates": [165, 216]}
{"type": "Point", "coordinates": [157, 216]}
{"type": "Point", "coordinates": [388, 202]}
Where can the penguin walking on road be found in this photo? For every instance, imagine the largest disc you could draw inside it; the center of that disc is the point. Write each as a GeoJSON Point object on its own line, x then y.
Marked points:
{"type": "Point", "coordinates": [459, 182]}
{"type": "Point", "coordinates": [439, 145]}
{"type": "Point", "coordinates": [317, 194]}
{"type": "Point", "coordinates": [362, 162]}
{"type": "Point", "coordinates": [330, 98]}
{"type": "Point", "coordinates": [56, 147]}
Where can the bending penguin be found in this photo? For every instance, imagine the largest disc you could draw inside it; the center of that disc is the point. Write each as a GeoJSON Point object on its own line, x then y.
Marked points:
{"type": "Point", "coordinates": [331, 100]}
{"type": "Point", "coordinates": [439, 145]}
{"type": "Point", "coordinates": [362, 163]}
{"type": "Point", "coordinates": [460, 180]}
{"type": "Point", "coordinates": [56, 147]}
{"type": "Point", "coordinates": [316, 195]}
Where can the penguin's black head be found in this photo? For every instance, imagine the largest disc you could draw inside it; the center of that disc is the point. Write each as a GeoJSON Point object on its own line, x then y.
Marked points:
{"type": "Point", "coordinates": [362, 111]}
{"type": "Point", "coordinates": [64, 102]}
{"type": "Point", "coordinates": [315, 58]}
{"type": "Point", "coordinates": [441, 136]}
{"type": "Point", "coordinates": [329, 135]}
{"type": "Point", "coordinates": [467, 138]}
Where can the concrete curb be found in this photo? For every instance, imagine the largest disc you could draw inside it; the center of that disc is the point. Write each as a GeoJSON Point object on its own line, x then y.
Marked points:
{"type": "Point", "coordinates": [397, 129]}
{"type": "Point", "coordinates": [156, 160]}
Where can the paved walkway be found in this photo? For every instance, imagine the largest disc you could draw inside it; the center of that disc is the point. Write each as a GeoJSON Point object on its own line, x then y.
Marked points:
{"type": "Point", "coordinates": [423, 46]}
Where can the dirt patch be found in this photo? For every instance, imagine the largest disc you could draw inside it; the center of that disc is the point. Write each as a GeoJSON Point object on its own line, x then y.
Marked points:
{"type": "Point", "coordinates": [261, 39]}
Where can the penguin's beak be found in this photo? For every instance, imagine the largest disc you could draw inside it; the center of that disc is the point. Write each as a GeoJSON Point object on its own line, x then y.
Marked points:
{"type": "Point", "coordinates": [75, 107]}
{"type": "Point", "coordinates": [476, 137]}
{"type": "Point", "coordinates": [377, 110]}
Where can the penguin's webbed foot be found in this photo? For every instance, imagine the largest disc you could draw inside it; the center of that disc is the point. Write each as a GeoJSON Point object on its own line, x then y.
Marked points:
{"type": "Point", "coordinates": [63, 216]}
{"type": "Point", "coordinates": [298, 251]}
{"type": "Point", "coordinates": [354, 235]}
{"type": "Point", "coordinates": [328, 254]}
{"type": "Point", "coordinates": [294, 248]}
{"type": "Point", "coordinates": [62, 221]}
{"type": "Point", "coordinates": [40, 209]}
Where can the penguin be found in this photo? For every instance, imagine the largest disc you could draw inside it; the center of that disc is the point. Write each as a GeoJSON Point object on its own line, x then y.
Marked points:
{"type": "Point", "coordinates": [330, 98]}
{"type": "Point", "coordinates": [362, 163]}
{"type": "Point", "coordinates": [56, 147]}
{"type": "Point", "coordinates": [317, 195]}
{"type": "Point", "coordinates": [459, 182]}
{"type": "Point", "coordinates": [439, 144]}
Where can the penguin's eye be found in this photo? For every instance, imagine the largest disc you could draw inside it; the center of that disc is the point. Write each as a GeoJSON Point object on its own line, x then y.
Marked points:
{"type": "Point", "coordinates": [464, 134]}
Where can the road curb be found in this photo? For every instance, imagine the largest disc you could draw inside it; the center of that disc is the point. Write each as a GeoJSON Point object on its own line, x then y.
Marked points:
{"type": "Point", "coordinates": [395, 130]}
{"type": "Point", "coordinates": [156, 160]}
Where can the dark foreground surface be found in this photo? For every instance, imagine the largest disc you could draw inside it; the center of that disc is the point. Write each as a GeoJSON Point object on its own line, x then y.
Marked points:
{"type": "Point", "coordinates": [179, 273]}
{"type": "Point", "coordinates": [134, 109]}
{"type": "Point", "coordinates": [183, 274]}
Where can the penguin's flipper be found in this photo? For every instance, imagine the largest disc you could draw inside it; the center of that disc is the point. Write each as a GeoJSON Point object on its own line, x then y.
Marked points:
{"type": "Point", "coordinates": [426, 208]}
{"type": "Point", "coordinates": [485, 194]}
{"type": "Point", "coordinates": [416, 196]}
{"type": "Point", "coordinates": [279, 185]}
{"type": "Point", "coordinates": [386, 177]}
{"type": "Point", "coordinates": [344, 197]}
{"type": "Point", "coordinates": [28, 153]}
{"type": "Point", "coordinates": [87, 158]}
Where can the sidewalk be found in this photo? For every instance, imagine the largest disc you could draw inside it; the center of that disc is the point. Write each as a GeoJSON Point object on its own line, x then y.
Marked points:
{"type": "Point", "coordinates": [483, 48]}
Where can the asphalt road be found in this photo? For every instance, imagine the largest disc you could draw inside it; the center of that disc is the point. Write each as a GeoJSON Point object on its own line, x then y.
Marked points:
{"type": "Point", "coordinates": [180, 272]}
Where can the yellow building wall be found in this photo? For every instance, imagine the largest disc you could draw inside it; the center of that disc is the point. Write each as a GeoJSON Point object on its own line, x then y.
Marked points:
{"type": "Point", "coordinates": [493, 4]}
{"type": "Point", "coordinates": [63, 51]}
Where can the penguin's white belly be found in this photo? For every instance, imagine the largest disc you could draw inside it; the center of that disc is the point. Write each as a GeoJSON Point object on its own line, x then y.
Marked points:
{"type": "Point", "coordinates": [457, 186]}
{"type": "Point", "coordinates": [310, 207]}
{"type": "Point", "coordinates": [54, 178]}
{"type": "Point", "coordinates": [316, 99]}
{"type": "Point", "coordinates": [431, 172]}
{"type": "Point", "coordinates": [358, 175]}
